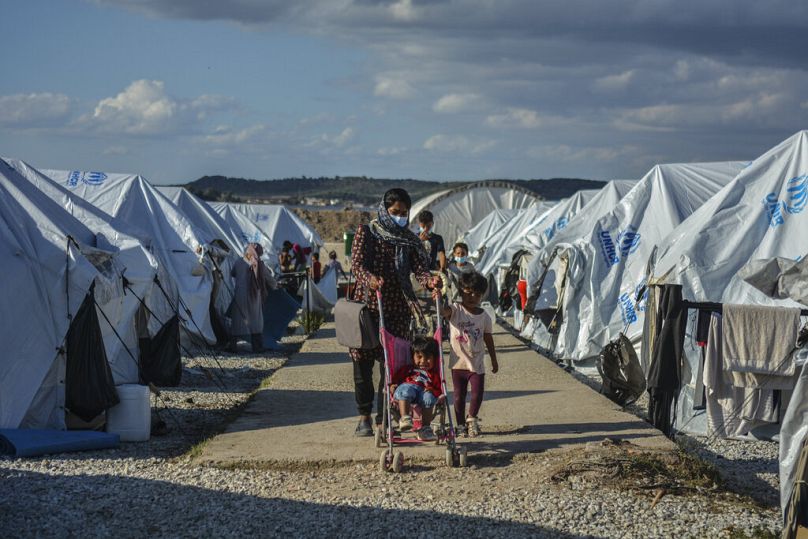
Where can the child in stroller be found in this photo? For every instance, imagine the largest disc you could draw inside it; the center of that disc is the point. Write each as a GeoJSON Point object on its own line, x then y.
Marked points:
{"type": "Point", "coordinates": [419, 384]}
{"type": "Point", "coordinates": [414, 375]}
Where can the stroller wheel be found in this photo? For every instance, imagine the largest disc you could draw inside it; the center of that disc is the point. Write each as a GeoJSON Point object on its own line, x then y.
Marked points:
{"type": "Point", "coordinates": [462, 456]}
{"type": "Point", "coordinates": [384, 463]}
{"type": "Point", "coordinates": [398, 462]}
{"type": "Point", "coordinates": [450, 462]}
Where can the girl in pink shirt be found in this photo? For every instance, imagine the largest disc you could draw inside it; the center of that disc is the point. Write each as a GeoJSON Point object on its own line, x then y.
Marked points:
{"type": "Point", "coordinates": [470, 335]}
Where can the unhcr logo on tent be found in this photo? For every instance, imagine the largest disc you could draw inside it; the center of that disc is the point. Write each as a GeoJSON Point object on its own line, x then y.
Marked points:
{"type": "Point", "coordinates": [797, 199]}
{"type": "Point", "coordinates": [262, 217]}
{"type": "Point", "coordinates": [607, 248]}
{"type": "Point", "coordinates": [561, 224]}
{"type": "Point", "coordinates": [88, 178]}
{"type": "Point", "coordinates": [627, 311]}
{"type": "Point", "coordinates": [629, 241]}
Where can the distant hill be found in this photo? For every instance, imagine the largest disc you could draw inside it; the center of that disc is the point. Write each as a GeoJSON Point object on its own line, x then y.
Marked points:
{"type": "Point", "coordinates": [357, 189]}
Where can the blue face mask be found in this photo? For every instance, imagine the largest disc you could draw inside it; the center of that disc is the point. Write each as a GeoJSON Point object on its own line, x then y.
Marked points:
{"type": "Point", "coordinates": [461, 259]}
{"type": "Point", "coordinates": [399, 220]}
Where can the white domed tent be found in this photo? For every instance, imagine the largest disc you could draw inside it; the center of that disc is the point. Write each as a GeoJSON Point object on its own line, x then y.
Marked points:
{"type": "Point", "coordinates": [530, 234]}
{"type": "Point", "coordinates": [459, 209]}
{"type": "Point", "coordinates": [277, 222]}
{"type": "Point", "coordinates": [138, 266]}
{"type": "Point", "coordinates": [175, 240]}
{"type": "Point", "coordinates": [247, 231]}
{"type": "Point", "coordinates": [604, 268]}
{"type": "Point", "coordinates": [490, 225]}
{"type": "Point", "coordinates": [52, 277]}
{"type": "Point", "coordinates": [602, 203]}
{"type": "Point", "coordinates": [545, 298]}
{"type": "Point", "coordinates": [204, 218]}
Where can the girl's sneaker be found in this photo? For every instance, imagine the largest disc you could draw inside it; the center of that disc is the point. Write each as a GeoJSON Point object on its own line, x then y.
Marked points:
{"type": "Point", "coordinates": [405, 423]}
{"type": "Point", "coordinates": [460, 430]}
{"type": "Point", "coordinates": [474, 426]}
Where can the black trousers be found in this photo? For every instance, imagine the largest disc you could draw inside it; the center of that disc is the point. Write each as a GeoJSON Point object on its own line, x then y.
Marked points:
{"type": "Point", "coordinates": [363, 388]}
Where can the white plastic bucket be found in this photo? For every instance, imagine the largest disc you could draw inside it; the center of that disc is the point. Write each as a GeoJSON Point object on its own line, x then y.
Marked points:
{"type": "Point", "coordinates": [131, 418]}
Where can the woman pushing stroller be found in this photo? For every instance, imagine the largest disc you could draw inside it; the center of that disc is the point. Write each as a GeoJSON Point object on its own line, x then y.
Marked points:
{"type": "Point", "coordinates": [384, 253]}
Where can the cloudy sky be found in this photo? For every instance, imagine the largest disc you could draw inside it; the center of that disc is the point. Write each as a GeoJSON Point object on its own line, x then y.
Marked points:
{"type": "Point", "coordinates": [429, 89]}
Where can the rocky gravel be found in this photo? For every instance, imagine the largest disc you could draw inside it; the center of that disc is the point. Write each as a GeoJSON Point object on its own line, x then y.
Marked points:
{"type": "Point", "coordinates": [748, 467]}
{"type": "Point", "coordinates": [157, 489]}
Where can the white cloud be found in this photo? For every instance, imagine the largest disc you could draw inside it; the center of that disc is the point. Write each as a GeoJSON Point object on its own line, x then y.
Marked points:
{"type": "Point", "coordinates": [142, 108]}
{"type": "Point", "coordinates": [457, 144]}
{"type": "Point", "coordinates": [455, 102]}
{"type": "Point", "coordinates": [145, 108]}
{"type": "Point", "coordinates": [393, 87]}
{"type": "Point", "coordinates": [227, 136]}
{"type": "Point", "coordinates": [403, 10]}
{"type": "Point", "coordinates": [34, 110]}
{"type": "Point", "coordinates": [330, 141]}
{"type": "Point", "coordinates": [344, 137]}
{"type": "Point", "coordinates": [515, 118]}
{"type": "Point", "coordinates": [614, 83]}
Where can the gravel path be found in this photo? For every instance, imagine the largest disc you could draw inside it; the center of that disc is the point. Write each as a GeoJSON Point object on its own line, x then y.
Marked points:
{"type": "Point", "coordinates": [156, 489]}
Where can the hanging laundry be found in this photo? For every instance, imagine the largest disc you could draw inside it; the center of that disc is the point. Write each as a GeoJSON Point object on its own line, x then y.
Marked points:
{"type": "Point", "coordinates": [760, 339]}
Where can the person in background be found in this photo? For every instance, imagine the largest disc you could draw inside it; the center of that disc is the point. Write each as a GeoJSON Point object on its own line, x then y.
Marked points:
{"type": "Point", "coordinates": [253, 282]}
{"type": "Point", "coordinates": [285, 260]}
{"type": "Point", "coordinates": [316, 268]}
{"type": "Point", "coordinates": [459, 265]}
{"type": "Point", "coordinates": [334, 265]}
{"type": "Point", "coordinates": [433, 243]}
{"type": "Point", "coordinates": [460, 260]}
{"type": "Point", "coordinates": [299, 254]}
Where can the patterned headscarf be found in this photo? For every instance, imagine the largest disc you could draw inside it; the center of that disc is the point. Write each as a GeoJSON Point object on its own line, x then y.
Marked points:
{"type": "Point", "coordinates": [384, 228]}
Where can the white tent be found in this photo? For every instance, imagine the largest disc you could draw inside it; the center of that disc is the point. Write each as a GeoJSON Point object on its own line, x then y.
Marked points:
{"type": "Point", "coordinates": [46, 277]}
{"type": "Point", "coordinates": [603, 202]}
{"type": "Point", "coordinates": [175, 240]}
{"type": "Point", "coordinates": [557, 219]}
{"type": "Point", "coordinates": [606, 267]}
{"type": "Point", "coordinates": [534, 265]}
{"type": "Point", "coordinates": [532, 234]}
{"type": "Point", "coordinates": [204, 218]}
{"type": "Point", "coordinates": [758, 216]}
{"type": "Point", "coordinates": [487, 227]}
{"type": "Point", "coordinates": [137, 265]}
{"type": "Point", "coordinates": [500, 247]}
{"type": "Point", "coordinates": [276, 222]}
{"type": "Point", "coordinates": [246, 231]}
{"type": "Point", "coordinates": [457, 210]}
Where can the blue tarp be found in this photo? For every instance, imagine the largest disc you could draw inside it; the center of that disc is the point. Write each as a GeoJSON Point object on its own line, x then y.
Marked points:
{"type": "Point", "coordinates": [279, 309]}
{"type": "Point", "coordinates": [36, 442]}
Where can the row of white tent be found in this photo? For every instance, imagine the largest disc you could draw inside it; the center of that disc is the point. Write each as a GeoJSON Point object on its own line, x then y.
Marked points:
{"type": "Point", "coordinates": [695, 224]}
{"type": "Point", "coordinates": [704, 226]}
{"type": "Point", "coordinates": [141, 256]}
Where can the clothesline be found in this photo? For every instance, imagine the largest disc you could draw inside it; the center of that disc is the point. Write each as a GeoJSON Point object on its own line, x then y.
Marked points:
{"type": "Point", "coordinates": [717, 307]}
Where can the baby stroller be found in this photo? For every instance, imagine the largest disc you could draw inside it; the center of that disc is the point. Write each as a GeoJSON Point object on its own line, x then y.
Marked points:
{"type": "Point", "coordinates": [397, 355]}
